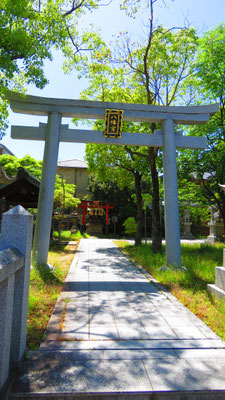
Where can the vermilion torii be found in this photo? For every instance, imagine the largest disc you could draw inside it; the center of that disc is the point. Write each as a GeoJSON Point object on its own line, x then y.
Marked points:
{"type": "Point", "coordinates": [54, 132]}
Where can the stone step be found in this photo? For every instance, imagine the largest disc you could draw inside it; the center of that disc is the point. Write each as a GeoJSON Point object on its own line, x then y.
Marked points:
{"type": "Point", "coordinates": [181, 395]}
{"type": "Point", "coordinates": [185, 374]}
{"type": "Point", "coordinates": [220, 277]}
{"type": "Point", "coordinates": [216, 291]}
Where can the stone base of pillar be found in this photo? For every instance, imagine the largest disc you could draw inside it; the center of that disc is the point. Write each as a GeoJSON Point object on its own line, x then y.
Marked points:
{"type": "Point", "coordinates": [213, 238]}
{"type": "Point", "coordinates": [216, 230]}
{"type": "Point", "coordinates": [218, 290]}
{"type": "Point", "coordinates": [187, 236]}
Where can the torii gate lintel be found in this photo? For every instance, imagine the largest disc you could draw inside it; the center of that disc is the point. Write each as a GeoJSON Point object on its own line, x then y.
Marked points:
{"type": "Point", "coordinates": [54, 132]}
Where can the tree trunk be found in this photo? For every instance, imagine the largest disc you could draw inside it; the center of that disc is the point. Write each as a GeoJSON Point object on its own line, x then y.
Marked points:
{"type": "Point", "coordinates": [156, 219]}
{"type": "Point", "coordinates": [138, 235]}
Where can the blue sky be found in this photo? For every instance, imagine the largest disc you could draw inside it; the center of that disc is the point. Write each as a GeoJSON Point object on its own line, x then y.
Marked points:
{"type": "Point", "coordinates": [203, 14]}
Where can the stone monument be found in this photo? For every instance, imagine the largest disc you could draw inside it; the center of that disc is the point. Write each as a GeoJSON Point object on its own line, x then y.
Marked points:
{"type": "Point", "coordinates": [187, 226]}
{"type": "Point", "coordinates": [215, 226]}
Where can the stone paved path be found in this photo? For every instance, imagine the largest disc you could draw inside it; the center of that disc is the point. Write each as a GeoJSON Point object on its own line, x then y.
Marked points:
{"type": "Point", "coordinates": [116, 331]}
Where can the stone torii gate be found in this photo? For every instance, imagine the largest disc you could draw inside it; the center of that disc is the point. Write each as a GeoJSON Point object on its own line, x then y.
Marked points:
{"type": "Point", "coordinates": [54, 132]}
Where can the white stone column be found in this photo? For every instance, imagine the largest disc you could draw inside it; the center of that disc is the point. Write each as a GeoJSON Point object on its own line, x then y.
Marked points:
{"type": "Point", "coordinates": [172, 222]}
{"type": "Point", "coordinates": [46, 193]}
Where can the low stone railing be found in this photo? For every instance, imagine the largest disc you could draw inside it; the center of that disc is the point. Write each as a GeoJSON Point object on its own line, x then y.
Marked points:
{"type": "Point", "coordinates": [218, 290]}
{"type": "Point", "coordinates": [15, 252]}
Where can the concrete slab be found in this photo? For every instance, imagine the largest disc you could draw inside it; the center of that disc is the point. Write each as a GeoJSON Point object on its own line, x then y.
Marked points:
{"type": "Point", "coordinates": [191, 374]}
{"type": "Point", "coordinates": [132, 332]}
{"type": "Point", "coordinates": [103, 332]}
{"type": "Point", "coordinates": [70, 375]}
{"type": "Point", "coordinates": [117, 334]}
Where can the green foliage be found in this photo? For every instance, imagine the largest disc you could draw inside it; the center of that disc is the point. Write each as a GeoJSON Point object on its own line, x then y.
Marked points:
{"type": "Point", "coordinates": [211, 63]}
{"type": "Point", "coordinates": [130, 226]}
{"type": "Point", "coordinates": [28, 32]}
{"type": "Point", "coordinates": [12, 163]}
{"type": "Point", "coordinates": [64, 194]}
{"type": "Point", "coordinates": [133, 72]}
{"type": "Point", "coordinates": [154, 71]}
{"type": "Point", "coordinates": [68, 236]}
{"type": "Point", "coordinates": [206, 167]}
{"type": "Point", "coordinates": [115, 164]}
{"type": "Point", "coordinates": [109, 190]}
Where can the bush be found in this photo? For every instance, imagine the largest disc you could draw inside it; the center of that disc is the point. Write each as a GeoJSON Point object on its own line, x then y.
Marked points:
{"type": "Point", "coordinates": [130, 226]}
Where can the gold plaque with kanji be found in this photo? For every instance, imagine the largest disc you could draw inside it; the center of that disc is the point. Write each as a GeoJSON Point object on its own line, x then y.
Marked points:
{"type": "Point", "coordinates": [113, 123]}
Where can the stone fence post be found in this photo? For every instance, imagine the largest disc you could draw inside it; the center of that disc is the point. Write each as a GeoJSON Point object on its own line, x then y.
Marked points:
{"type": "Point", "coordinates": [15, 252]}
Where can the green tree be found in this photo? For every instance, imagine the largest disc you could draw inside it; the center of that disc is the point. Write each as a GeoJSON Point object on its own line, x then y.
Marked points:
{"type": "Point", "coordinates": [207, 166]}
{"type": "Point", "coordinates": [12, 163]}
{"type": "Point", "coordinates": [28, 32]}
{"type": "Point", "coordinates": [155, 71]}
{"type": "Point", "coordinates": [130, 226]}
{"type": "Point", "coordinates": [115, 164]}
{"type": "Point", "coordinates": [63, 199]}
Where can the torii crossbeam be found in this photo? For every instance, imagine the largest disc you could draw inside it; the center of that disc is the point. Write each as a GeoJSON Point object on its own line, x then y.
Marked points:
{"type": "Point", "coordinates": [53, 132]}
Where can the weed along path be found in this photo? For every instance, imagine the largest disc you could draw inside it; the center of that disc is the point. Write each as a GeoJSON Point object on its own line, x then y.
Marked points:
{"type": "Point", "coordinates": [115, 333]}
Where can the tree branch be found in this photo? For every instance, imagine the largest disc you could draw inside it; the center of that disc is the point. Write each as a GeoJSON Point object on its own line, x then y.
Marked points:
{"type": "Point", "coordinates": [75, 6]}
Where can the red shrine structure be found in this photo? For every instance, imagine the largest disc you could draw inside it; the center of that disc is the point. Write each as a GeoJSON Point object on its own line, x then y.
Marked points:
{"type": "Point", "coordinates": [96, 208]}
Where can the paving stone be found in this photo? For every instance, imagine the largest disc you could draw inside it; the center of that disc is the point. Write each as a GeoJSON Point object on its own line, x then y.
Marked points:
{"type": "Point", "coordinates": [69, 375]}
{"type": "Point", "coordinates": [177, 375]}
{"type": "Point", "coordinates": [151, 319]}
{"type": "Point", "coordinates": [100, 310]}
{"type": "Point", "coordinates": [103, 319]}
{"type": "Point", "coordinates": [177, 321]}
{"type": "Point", "coordinates": [188, 332]}
{"type": "Point", "coordinates": [70, 331]}
{"type": "Point", "coordinates": [213, 354]}
{"type": "Point", "coordinates": [160, 332]}
{"type": "Point", "coordinates": [145, 306]}
{"type": "Point", "coordinates": [103, 332]}
{"type": "Point", "coordinates": [207, 331]}
{"type": "Point", "coordinates": [130, 332]}
{"type": "Point", "coordinates": [138, 354]}
{"type": "Point", "coordinates": [126, 318]}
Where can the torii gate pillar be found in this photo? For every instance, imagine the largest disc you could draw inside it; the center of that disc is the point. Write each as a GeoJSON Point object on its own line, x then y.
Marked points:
{"type": "Point", "coordinates": [172, 222]}
{"type": "Point", "coordinates": [46, 192]}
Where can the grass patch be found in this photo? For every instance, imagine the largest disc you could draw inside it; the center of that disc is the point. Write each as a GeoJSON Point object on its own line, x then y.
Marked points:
{"type": "Point", "coordinates": [68, 236]}
{"type": "Point", "coordinates": [189, 287]}
{"type": "Point", "coordinates": [45, 287]}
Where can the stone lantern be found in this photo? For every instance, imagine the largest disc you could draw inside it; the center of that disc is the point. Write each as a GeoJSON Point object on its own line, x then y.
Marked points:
{"type": "Point", "coordinates": [187, 226]}
{"type": "Point", "coordinates": [215, 226]}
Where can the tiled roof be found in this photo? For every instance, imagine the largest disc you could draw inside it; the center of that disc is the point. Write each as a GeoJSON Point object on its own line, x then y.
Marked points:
{"type": "Point", "coordinates": [7, 151]}
{"type": "Point", "coordinates": [72, 164]}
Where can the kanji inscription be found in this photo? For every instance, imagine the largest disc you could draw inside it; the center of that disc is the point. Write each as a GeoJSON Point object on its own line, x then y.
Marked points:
{"type": "Point", "coordinates": [113, 123]}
